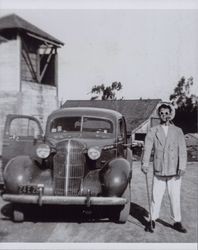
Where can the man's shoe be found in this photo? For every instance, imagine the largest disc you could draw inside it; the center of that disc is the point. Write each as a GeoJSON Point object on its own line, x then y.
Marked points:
{"type": "Point", "coordinates": [150, 226]}
{"type": "Point", "coordinates": [178, 226]}
{"type": "Point", "coordinates": [153, 224]}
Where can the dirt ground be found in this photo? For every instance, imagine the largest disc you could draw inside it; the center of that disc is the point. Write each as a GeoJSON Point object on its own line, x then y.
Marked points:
{"type": "Point", "coordinates": [69, 229]}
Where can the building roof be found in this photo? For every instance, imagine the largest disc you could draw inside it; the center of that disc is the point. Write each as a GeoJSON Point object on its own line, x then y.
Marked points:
{"type": "Point", "coordinates": [15, 22]}
{"type": "Point", "coordinates": [2, 39]}
{"type": "Point", "coordinates": [191, 139]}
{"type": "Point", "coordinates": [135, 111]}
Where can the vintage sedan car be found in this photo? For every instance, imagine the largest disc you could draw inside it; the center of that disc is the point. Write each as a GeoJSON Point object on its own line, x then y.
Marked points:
{"type": "Point", "coordinates": [82, 159]}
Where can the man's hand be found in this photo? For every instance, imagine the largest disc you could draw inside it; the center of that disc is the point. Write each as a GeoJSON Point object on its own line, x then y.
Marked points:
{"type": "Point", "coordinates": [145, 169]}
{"type": "Point", "coordinates": [180, 172]}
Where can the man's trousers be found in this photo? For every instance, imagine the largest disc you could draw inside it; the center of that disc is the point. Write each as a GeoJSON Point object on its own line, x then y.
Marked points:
{"type": "Point", "coordinates": [173, 184]}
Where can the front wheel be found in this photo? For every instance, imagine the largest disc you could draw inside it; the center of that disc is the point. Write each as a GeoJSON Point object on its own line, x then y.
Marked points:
{"type": "Point", "coordinates": [18, 215]}
{"type": "Point", "coordinates": [121, 214]}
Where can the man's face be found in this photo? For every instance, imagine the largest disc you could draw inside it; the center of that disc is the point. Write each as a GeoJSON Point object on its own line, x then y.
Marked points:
{"type": "Point", "coordinates": [164, 114]}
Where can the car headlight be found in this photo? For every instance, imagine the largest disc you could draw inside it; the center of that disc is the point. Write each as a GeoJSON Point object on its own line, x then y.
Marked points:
{"type": "Point", "coordinates": [43, 151]}
{"type": "Point", "coordinates": [94, 153]}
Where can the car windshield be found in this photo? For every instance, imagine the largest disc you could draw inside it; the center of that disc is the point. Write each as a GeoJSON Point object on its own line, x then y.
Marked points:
{"type": "Point", "coordinates": [97, 125]}
{"type": "Point", "coordinates": [81, 125]}
{"type": "Point", "coordinates": [65, 124]}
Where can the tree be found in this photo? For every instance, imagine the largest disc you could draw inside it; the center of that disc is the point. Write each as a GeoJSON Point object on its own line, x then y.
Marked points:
{"type": "Point", "coordinates": [186, 105]}
{"type": "Point", "coordinates": [106, 93]}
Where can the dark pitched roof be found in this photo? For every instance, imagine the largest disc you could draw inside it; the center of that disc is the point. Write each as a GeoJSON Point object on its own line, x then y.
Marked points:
{"type": "Point", "coordinates": [135, 111]}
{"type": "Point", "coordinates": [2, 39]}
{"type": "Point", "coordinates": [191, 139]}
{"type": "Point", "coordinates": [15, 22]}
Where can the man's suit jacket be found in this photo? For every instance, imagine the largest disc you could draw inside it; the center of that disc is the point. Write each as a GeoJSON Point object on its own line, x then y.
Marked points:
{"type": "Point", "coordinates": [169, 151]}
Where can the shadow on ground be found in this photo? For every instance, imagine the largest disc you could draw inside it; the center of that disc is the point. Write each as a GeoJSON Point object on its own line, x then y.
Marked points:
{"type": "Point", "coordinates": [142, 215]}
{"type": "Point", "coordinates": [76, 214]}
{"type": "Point", "coordinates": [55, 213]}
{"type": "Point", "coordinates": [139, 213]}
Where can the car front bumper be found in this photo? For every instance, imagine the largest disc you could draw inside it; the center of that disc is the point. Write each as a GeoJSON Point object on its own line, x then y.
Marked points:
{"type": "Point", "coordinates": [63, 200]}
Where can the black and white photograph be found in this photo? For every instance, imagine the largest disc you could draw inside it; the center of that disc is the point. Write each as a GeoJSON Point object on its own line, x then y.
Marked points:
{"type": "Point", "coordinates": [98, 124]}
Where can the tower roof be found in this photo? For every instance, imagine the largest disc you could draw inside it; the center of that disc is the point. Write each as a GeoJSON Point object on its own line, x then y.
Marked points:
{"type": "Point", "coordinates": [15, 22]}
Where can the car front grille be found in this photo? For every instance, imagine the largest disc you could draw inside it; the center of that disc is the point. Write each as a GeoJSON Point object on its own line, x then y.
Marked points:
{"type": "Point", "coordinates": [69, 165]}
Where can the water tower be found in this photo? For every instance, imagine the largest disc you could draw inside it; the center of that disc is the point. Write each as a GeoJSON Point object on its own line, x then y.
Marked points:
{"type": "Point", "coordinates": [28, 70]}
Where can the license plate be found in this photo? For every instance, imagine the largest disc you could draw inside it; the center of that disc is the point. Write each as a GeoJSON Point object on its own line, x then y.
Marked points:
{"type": "Point", "coordinates": [28, 189]}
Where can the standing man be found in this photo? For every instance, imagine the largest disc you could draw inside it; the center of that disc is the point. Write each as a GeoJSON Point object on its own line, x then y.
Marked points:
{"type": "Point", "coordinates": [169, 164]}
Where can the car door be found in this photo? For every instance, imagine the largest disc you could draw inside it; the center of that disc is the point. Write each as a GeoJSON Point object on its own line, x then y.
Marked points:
{"type": "Point", "coordinates": [122, 138]}
{"type": "Point", "coordinates": [21, 134]}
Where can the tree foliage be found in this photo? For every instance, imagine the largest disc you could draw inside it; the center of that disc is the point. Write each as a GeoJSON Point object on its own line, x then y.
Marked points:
{"type": "Point", "coordinates": [106, 92]}
{"type": "Point", "coordinates": [186, 105]}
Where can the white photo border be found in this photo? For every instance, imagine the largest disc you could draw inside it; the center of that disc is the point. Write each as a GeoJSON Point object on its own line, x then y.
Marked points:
{"type": "Point", "coordinates": [111, 5]}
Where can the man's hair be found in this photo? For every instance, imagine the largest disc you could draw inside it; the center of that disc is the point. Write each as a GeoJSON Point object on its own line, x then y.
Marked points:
{"type": "Point", "coordinates": [164, 106]}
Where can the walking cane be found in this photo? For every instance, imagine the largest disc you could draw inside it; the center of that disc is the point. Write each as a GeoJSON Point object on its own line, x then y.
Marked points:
{"type": "Point", "coordinates": [149, 227]}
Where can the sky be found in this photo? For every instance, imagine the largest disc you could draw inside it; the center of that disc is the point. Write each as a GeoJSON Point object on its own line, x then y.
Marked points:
{"type": "Point", "coordinates": [147, 50]}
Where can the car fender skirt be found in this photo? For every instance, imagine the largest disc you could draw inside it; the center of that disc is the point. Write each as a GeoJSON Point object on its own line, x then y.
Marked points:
{"type": "Point", "coordinates": [115, 176]}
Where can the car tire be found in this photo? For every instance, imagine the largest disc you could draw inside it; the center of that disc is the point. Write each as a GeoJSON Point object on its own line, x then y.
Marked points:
{"type": "Point", "coordinates": [120, 215]}
{"type": "Point", "coordinates": [18, 215]}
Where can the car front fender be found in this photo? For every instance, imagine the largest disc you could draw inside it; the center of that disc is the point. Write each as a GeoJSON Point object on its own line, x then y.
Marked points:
{"type": "Point", "coordinates": [115, 177]}
{"type": "Point", "coordinates": [22, 170]}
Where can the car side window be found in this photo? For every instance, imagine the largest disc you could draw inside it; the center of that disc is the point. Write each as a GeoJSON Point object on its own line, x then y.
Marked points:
{"type": "Point", "coordinates": [24, 127]}
{"type": "Point", "coordinates": [97, 125]}
{"type": "Point", "coordinates": [121, 129]}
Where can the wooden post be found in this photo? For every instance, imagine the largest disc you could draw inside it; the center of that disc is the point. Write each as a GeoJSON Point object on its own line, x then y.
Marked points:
{"type": "Point", "coordinates": [56, 71]}
{"type": "Point", "coordinates": [46, 64]}
{"type": "Point", "coordinates": [38, 65]}
{"type": "Point", "coordinates": [20, 62]}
